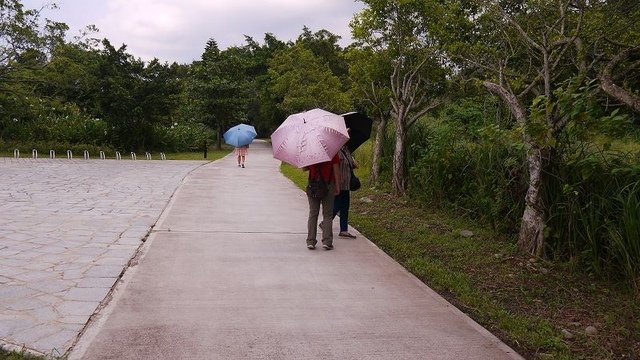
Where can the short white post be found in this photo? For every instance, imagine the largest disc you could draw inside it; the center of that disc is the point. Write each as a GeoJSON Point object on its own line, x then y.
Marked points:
{"type": "Point", "coordinates": [147, 155]}
{"type": "Point", "coordinates": [69, 154]}
{"type": "Point", "coordinates": [162, 156]}
{"type": "Point", "coordinates": [52, 154]}
{"type": "Point", "coordinates": [133, 156]}
{"type": "Point", "coordinates": [86, 154]}
{"type": "Point", "coordinates": [102, 157]}
{"type": "Point", "coordinates": [118, 156]}
{"type": "Point", "coordinates": [16, 153]}
{"type": "Point", "coordinates": [34, 154]}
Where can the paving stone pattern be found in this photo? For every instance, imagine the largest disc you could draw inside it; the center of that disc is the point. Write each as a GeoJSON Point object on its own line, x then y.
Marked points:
{"type": "Point", "coordinates": [68, 228]}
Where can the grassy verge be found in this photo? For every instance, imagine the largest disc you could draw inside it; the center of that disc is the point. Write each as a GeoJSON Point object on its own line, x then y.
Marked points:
{"type": "Point", "coordinates": [12, 355]}
{"type": "Point", "coordinates": [211, 155]}
{"type": "Point", "coordinates": [527, 302]}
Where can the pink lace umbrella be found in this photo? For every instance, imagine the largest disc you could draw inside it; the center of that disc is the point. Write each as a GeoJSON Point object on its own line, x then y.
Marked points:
{"type": "Point", "coordinates": [309, 138]}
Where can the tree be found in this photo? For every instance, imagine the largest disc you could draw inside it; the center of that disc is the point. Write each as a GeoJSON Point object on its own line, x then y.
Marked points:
{"type": "Point", "coordinates": [368, 71]}
{"type": "Point", "coordinates": [400, 28]}
{"type": "Point", "coordinates": [324, 44]}
{"type": "Point", "coordinates": [263, 111]}
{"type": "Point", "coordinates": [24, 48]}
{"type": "Point", "coordinates": [301, 81]}
{"type": "Point", "coordinates": [536, 56]}
{"type": "Point", "coordinates": [220, 87]}
{"type": "Point", "coordinates": [611, 37]}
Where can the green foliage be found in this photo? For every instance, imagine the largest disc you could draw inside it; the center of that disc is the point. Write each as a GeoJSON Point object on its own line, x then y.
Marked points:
{"type": "Point", "coordinates": [302, 81]}
{"type": "Point", "coordinates": [467, 162]}
{"type": "Point", "coordinates": [219, 86]}
{"type": "Point", "coordinates": [182, 136]}
{"type": "Point", "coordinates": [15, 355]}
{"type": "Point", "coordinates": [593, 212]}
{"type": "Point", "coordinates": [477, 171]}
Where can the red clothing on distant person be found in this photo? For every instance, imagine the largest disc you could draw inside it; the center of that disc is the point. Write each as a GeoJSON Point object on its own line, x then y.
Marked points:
{"type": "Point", "coordinates": [326, 169]}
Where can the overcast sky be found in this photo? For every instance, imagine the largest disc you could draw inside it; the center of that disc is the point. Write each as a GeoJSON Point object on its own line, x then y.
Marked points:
{"type": "Point", "coordinates": [177, 30]}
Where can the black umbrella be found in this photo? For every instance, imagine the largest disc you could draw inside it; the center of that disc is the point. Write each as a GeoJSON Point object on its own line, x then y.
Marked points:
{"type": "Point", "coordinates": [359, 129]}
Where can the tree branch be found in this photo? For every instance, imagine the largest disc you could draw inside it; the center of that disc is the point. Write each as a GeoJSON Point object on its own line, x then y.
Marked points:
{"type": "Point", "coordinates": [615, 91]}
{"type": "Point", "coordinates": [510, 99]}
{"type": "Point", "coordinates": [520, 30]}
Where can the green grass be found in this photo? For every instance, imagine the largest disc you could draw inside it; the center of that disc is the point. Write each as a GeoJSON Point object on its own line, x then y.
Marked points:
{"type": "Point", "coordinates": [211, 155]}
{"type": "Point", "coordinates": [526, 302]}
{"type": "Point", "coordinates": [12, 355]}
{"type": "Point", "coordinates": [298, 176]}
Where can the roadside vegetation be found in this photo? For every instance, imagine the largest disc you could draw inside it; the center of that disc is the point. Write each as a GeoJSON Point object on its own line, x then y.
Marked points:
{"type": "Point", "coordinates": [14, 355]}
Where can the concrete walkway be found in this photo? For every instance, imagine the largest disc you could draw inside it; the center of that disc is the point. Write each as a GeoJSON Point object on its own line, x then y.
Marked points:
{"type": "Point", "coordinates": [225, 274]}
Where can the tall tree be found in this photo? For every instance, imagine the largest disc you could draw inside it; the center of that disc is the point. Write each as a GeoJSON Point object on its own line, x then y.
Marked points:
{"type": "Point", "coordinates": [401, 29]}
{"type": "Point", "coordinates": [263, 111]}
{"type": "Point", "coordinates": [536, 56]}
{"type": "Point", "coordinates": [324, 45]}
{"type": "Point", "coordinates": [219, 87]}
{"type": "Point", "coordinates": [368, 71]}
{"type": "Point", "coordinates": [301, 81]}
{"type": "Point", "coordinates": [25, 46]}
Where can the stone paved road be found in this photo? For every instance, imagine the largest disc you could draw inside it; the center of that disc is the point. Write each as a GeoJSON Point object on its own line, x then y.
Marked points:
{"type": "Point", "coordinates": [67, 230]}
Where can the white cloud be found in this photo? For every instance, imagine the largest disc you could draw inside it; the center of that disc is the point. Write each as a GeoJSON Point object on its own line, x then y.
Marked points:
{"type": "Point", "coordinates": [177, 30]}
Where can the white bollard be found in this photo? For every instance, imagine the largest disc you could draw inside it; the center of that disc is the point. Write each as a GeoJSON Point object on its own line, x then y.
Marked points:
{"type": "Point", "coordinates": [118, 156]}
{"type": "Point", "coordinates": [147, 155]}
{"type": "Point", "coordinates": [86, 154]}
{"type": "Point", "coordinates": [69, 154]}
{"type": "Point", "coordinates": [102, 157]}
{"type": "Point", "coordinates": [16, 153]}
{"type": "Point", "coordinates": [162, 156]}
{"type": "Point", "coordinates": [52, 154]}
{"type": "Point", "coordinates": [133, 156]}
{"type": "Point", "coordinates": [34, 154]}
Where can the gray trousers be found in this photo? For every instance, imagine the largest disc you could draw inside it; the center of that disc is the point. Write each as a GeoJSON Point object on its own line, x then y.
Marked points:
{"type": "Point", "coordinates": [327, 218]}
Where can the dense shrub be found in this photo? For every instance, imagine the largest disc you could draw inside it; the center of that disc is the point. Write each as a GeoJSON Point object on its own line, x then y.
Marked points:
{"type": "Point", "coordinates": [591, 195]}
{"type": "Point", "coordinates": [593, 199]}
{"type": "Point", "coordinates": [181, 137]}
{"type": "Point", "coordinates": [479, 173]}
{"type": "Point", "coordinates": [51, 126]}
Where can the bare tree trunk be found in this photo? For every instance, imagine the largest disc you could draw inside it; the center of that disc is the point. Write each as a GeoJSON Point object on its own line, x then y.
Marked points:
{"type": "Point", "coordinates": [219, 137]}
{"type": "Point", "coordinates": [531, 237]}
{"type": "Point", "coordinates": [377, 151]}
{"type": "Point", "coordinates": [399, 182]}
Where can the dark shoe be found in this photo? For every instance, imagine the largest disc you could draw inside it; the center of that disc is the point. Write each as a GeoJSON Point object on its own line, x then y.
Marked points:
{"type": "Point", "coordinates": [311, 247]}
{"type": "Point", "coordinates": [346, 234]}
{"type": "Point", "coordinates": [327, 247]}
{"type": "Point", "coordinates": [242, 165]}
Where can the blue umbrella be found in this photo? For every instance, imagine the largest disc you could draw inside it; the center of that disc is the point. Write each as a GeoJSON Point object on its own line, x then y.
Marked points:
{"type": "Point", "coordinates": [240, 135]}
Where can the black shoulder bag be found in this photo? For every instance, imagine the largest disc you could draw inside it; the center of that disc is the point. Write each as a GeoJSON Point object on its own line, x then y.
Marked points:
{"type": "Point", "coordinates": [354, 184]}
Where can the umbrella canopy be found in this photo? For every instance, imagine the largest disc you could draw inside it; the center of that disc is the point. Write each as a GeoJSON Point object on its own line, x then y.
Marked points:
{"type": "Point", "coordinates": [359, 129]}
{"type": "Point", "coordinates": [240, 135]}
{"type": "Point", "coordinates": [309, 138]}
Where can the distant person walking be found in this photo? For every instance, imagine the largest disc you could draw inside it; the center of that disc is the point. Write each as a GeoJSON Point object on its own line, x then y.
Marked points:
{"type": "Point", "coordinates": [323, 174]}
{"type": "Point", "coordinates": [240, 136]}
{"type": "Point", "coordinates": [241, 152]}
{"type": "Point", "coordinates": [343, 199]}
